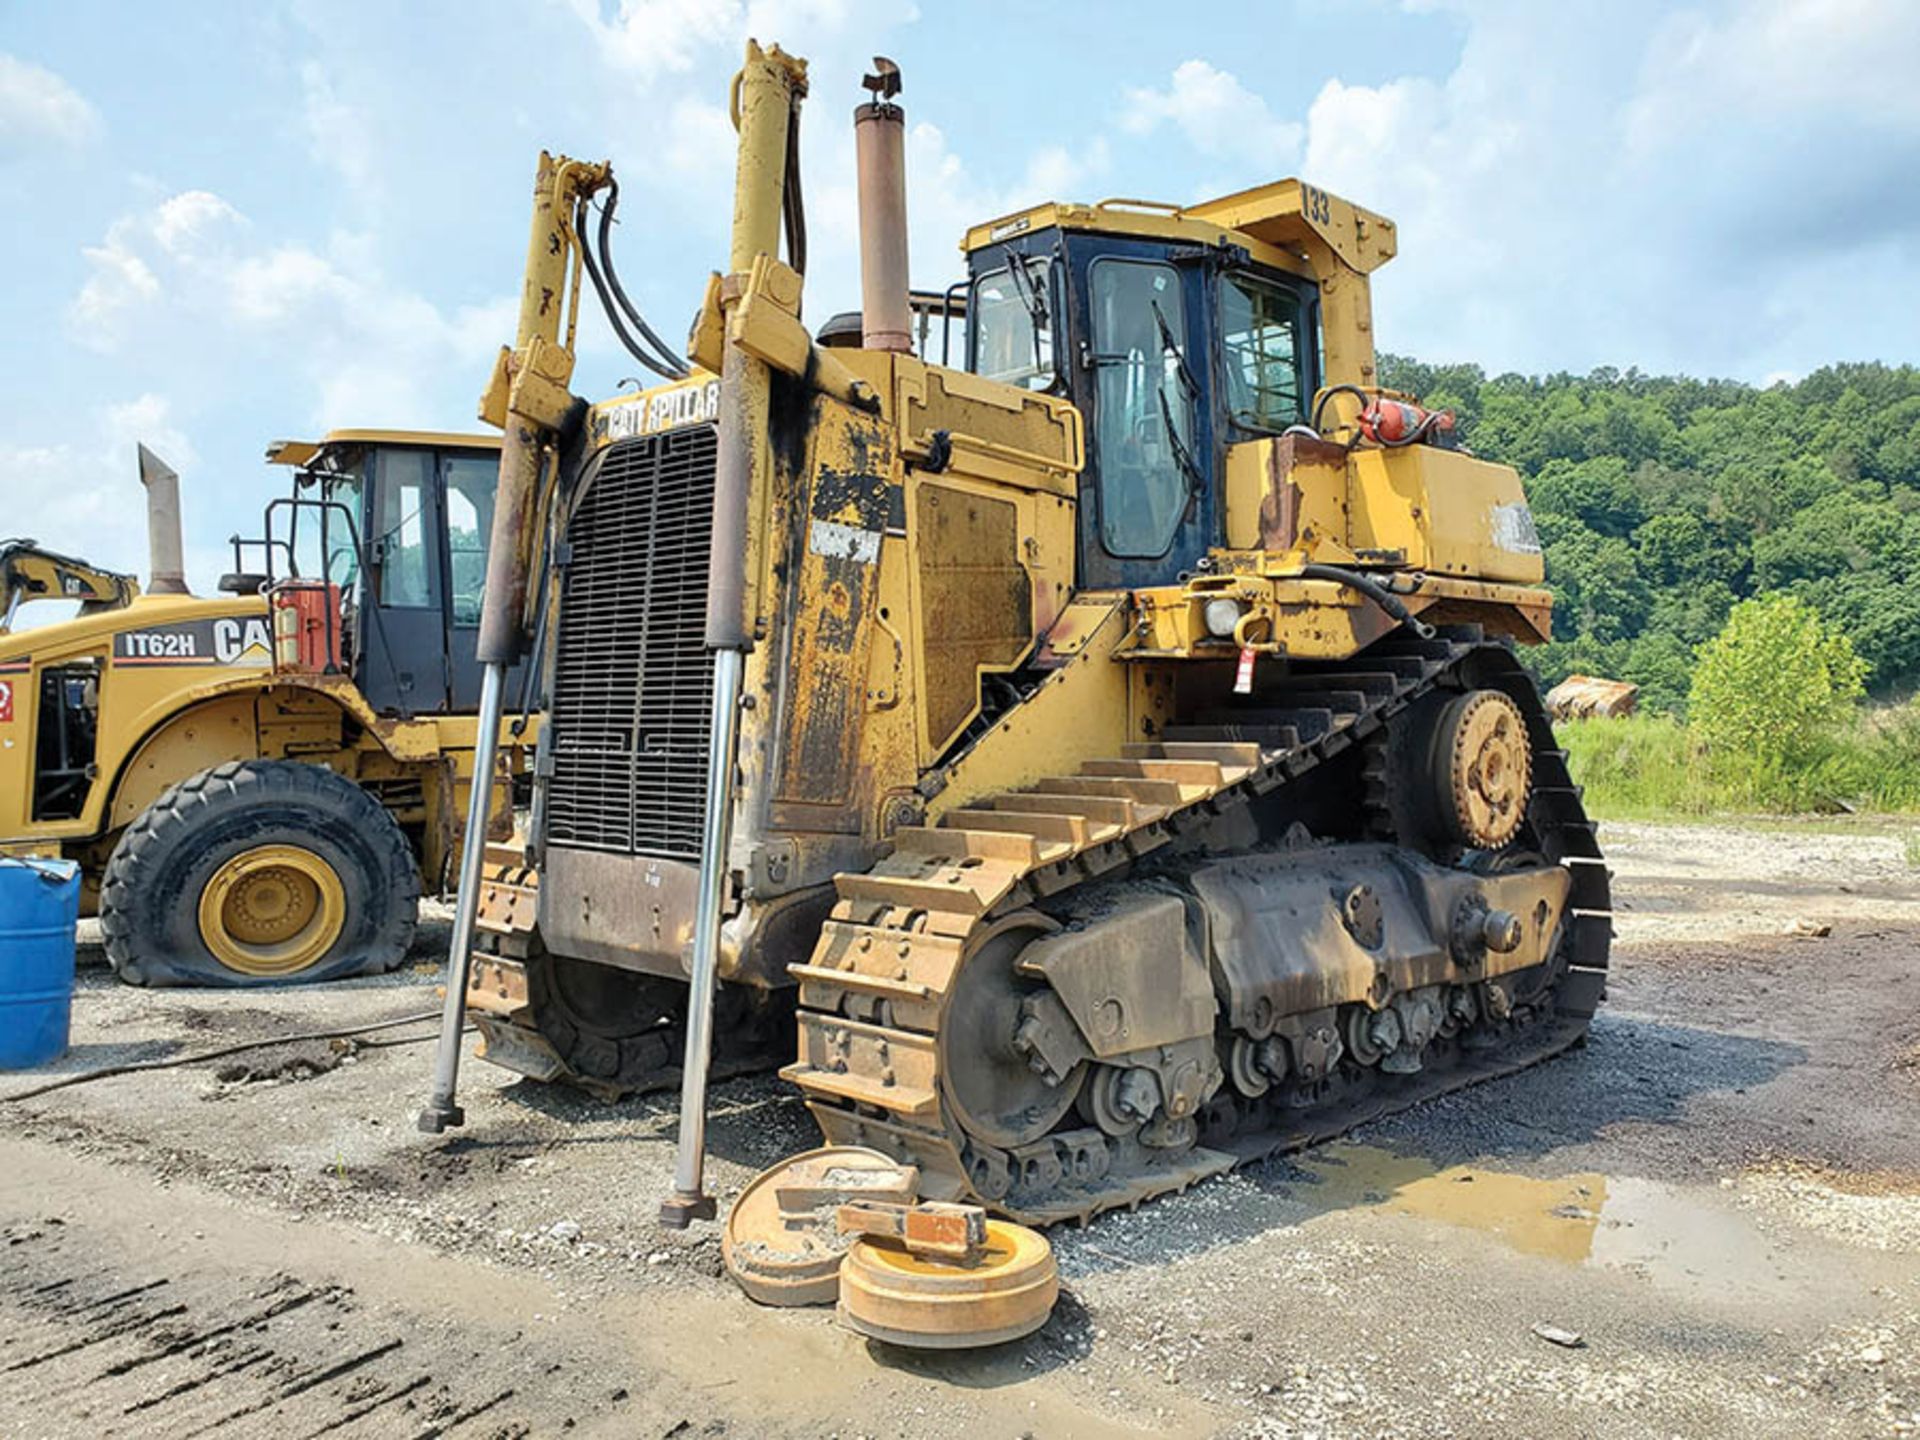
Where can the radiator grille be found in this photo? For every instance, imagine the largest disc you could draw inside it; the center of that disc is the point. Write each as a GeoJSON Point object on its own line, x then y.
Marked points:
{"type": "Point", "coordinates": [633, 679]}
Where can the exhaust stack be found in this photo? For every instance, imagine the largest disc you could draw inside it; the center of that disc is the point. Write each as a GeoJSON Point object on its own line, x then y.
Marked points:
{"type": "Point", "coordinates": [166, 558]}
{"type": "Point", "coordinates": [879, 136]}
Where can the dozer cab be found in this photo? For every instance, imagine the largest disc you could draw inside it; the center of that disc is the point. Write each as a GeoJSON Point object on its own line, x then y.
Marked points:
{"type": "Point", "coordinates": [257, 785]}
{"type": "Point", "coordinates": [1114, 743]}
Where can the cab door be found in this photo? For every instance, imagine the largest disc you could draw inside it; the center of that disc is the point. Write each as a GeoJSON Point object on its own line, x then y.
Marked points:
{"type": "Point", "coordinates": [403, 635]}
{"type": "Point", "coordinates": [469, 482]}
{"type": "Point", "coordinates": [1150, 506]}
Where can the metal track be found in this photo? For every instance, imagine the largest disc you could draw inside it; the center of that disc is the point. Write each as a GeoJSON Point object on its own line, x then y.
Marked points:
{"type": "Point", "coordinates": [875, 993]}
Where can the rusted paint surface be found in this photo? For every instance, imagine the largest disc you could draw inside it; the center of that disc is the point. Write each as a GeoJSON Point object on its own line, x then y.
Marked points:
{"type": "Point", "coordinates": [1282, 505]}
{"type": "Point", "coordinates": [976, 599]}
{"type": "Point", "coordinates": [842, 527]}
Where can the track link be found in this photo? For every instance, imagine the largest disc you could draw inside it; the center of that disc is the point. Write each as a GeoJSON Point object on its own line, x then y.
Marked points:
{"type": "Point", "coordinates": [874, 994]}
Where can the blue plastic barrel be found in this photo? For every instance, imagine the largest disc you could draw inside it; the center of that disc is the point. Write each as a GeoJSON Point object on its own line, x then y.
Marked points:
{"type": "Point", "coordinates": [39, 907]}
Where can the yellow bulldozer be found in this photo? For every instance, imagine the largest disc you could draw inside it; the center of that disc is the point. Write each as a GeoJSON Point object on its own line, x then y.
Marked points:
{"type": "Point", "coordinates": [1113, 744]}
{"type": "Point", "coordinates": [257, 785]}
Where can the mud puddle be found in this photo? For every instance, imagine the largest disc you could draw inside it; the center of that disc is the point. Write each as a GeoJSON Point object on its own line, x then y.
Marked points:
{"type": "Point", "coordinates": [1680, 1239]}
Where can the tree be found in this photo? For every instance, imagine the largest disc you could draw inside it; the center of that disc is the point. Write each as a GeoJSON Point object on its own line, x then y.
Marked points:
{"type": "Point", "coordinates": [1772, 684]}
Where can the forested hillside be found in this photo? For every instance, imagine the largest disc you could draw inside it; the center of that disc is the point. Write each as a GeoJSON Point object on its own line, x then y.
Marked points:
{"type": "Point", "coordinates": [1662, 500]}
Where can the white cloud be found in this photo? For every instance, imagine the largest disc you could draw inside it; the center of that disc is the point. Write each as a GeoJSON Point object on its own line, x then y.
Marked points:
{"type": "Point", "coordinates": [1698, 190]}
{"type": "Point", "coordinates": [649, 38]}
{"type": "Point", "coordinates": [341, 136]}
{"type": "Point", "coordinates": [37, 107]}
{"type": "Point", "coordinates": [1218, 115]}
{"type": "Point", "coordinates": [86, 491]}
{"type": "Point", "coordinates": [188, 277]}
{"type": "Point", "coordinates": [186, 223]}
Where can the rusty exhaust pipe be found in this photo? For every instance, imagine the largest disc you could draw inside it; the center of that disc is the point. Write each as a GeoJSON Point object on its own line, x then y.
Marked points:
{"type": "Point", "coordinates": [165, 554]}
{"type": "Point", "coordinates": [880, 147]}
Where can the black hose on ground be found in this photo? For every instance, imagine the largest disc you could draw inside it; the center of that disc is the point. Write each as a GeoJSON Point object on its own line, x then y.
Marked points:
{"type": "Point", "coordinates": [1374, 591]}
{"type": "Point", "coordinates": [200, 1056]}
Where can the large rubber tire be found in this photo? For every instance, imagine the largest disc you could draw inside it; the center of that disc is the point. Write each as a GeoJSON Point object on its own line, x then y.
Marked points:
{"type": "Point", "coordinates": [151, 896]}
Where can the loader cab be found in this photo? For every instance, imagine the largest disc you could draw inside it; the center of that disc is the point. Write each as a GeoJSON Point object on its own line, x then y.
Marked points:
{"type": "Point", "coordinates": [1171, 351]}
{"type": "Point", "coordinates": [397, 523]}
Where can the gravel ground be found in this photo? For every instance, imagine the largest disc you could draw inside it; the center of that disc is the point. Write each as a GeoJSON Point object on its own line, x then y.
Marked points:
{"type": "Point", "coordinates": [1719, 1196]}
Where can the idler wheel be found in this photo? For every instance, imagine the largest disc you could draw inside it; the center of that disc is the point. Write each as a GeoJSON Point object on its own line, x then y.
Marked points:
{"type": "Point", "coordinates": [793, 1258]}
{"type": "Point", "coordinates": [1483, 769]}
{"type": "Point", "coordinates": [989, 1082]}
{"type": "Point", "coordinates": [891, 1294]}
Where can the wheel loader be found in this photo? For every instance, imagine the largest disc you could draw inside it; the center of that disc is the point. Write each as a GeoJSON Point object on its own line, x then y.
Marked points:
{"type": "Point", "coordinates": [1111, 746]}
{"type": "Point", "coordinates": [258, 785]}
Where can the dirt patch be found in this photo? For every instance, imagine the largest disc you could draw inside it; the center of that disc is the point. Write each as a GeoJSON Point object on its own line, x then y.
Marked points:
{"type": "Point", "coordinates": [1718, 1194]}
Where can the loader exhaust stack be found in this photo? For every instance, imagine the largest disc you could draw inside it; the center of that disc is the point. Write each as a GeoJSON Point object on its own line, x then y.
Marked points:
{"type": "Point", "coordinates": [879, 137]}
{"type": "Point", "coordinates": [165, 553]}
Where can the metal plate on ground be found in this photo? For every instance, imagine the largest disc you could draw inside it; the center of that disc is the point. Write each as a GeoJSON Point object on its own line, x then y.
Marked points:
{"type": "Point", "coordinates": [890, 1294]}
{"type": "Point", "coordinates": [781, 1255]}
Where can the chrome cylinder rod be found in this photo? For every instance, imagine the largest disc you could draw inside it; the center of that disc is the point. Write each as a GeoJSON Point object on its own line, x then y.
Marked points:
{"type": "Point", "coordinates": [443, 1109]}
{"type": "Point", "coordinates": [690, 1201]}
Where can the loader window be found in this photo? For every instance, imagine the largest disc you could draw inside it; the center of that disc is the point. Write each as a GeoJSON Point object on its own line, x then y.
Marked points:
{"type": "Point", "coordinates": [400, 536]}
{"type": "Point", "coordinates": [1143, 405]}
{"type": "Point", "coordinates": [1260, 329]}
{"type": "Point", "coordinates": [470, 487]}
{"type": "Point", "coordinates": [1009, 321]}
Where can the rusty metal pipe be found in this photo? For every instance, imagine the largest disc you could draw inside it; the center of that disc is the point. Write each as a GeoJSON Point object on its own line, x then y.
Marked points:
{"type": "Point", "coordinates": [880, 149]}
{"type": "Point", "coordinates": [166, 557]}
{"type": "Point", "coordinates": [443, 1108]}
{"type": "Point", "coordinates": [765, 93]}
{"type": "Point", "coordinates": [509, 543]}
{"type": "Point", "coordinates": [502, 608]}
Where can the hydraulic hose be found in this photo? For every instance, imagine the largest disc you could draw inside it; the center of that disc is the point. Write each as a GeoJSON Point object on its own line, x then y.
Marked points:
{"type": "Point", "coordinates": [1374, 591]}
{"type": "Point", "coordinates": [674, 363]}
{"type": "Point", "coordinates": [665, 363]}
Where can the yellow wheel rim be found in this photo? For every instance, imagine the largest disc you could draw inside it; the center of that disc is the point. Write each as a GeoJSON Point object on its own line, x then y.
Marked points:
{"type": "Point", "coordinates": [272, 910]}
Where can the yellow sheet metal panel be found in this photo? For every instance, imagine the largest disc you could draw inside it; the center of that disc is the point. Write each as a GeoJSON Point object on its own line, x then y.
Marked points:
{"type": "Point", "coordinates": [1285, 492]}
{"type": "Point", "coordinates": [1443, 511]}
{"type": "Point", "coordinates": [1290, 214]}
{"type": "Point", "coordinates": [1013, 435]}
{"type": "Point", "coordinates": [975, 600]}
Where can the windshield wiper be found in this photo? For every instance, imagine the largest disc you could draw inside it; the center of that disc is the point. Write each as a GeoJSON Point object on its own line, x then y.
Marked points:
{"type": "Point", "coordinates": [1028, 291]}
{"type": "Point", "coordinates": [1168, 346]}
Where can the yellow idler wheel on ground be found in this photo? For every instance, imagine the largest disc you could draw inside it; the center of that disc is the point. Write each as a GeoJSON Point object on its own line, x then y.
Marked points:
{"type": "Point", "coordinates": [783, 1259]}
{"type": "Point", "coordinates": [890, 1294]}
{"type": "Point", "coordinates": [272, 910]}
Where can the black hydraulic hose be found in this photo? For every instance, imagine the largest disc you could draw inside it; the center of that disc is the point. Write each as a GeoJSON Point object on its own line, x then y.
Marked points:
{"type": "Point", "coordinates": [667, 352]}
{"type": "Point", "coordinates": [1374, 591]}
{"type": "Point", "coordinates": [793, 205]}
{"type": "Point", "coordinates": [661, 366]}
{"type": "Point", "coordinates": [174, 1062]}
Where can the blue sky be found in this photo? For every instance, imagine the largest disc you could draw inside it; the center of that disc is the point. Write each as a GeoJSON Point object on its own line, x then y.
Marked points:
{"type": "Point", "coordinates": [222, 223]}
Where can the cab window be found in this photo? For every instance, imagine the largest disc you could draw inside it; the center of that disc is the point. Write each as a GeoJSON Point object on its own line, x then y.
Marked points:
{"type": "Point", "coordinates": [1143, 405]}
{"type": "Point", "coordinates": [1260, 324]}
{"type": "Point", "coordinates": [1010, 327]}
{"type": "Point", "coordinates": [400, 538]}
{"type": "Point", "coordinates": [470, 490]}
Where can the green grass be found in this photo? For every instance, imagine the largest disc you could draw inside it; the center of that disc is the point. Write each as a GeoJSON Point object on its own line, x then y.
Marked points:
{"type": "Point", "coordinates": [1651, 766]}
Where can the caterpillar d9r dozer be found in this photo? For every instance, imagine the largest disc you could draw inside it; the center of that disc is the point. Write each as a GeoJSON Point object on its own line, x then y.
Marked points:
{"type": "Point", "coordinates": [1115, 744]}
